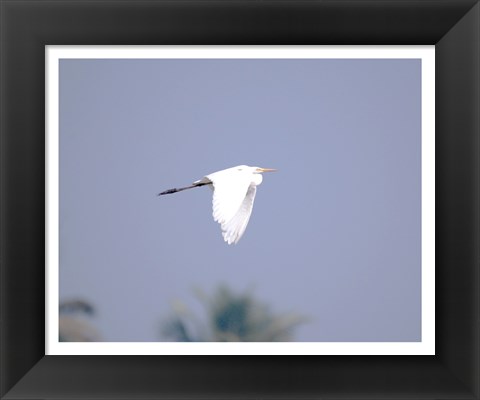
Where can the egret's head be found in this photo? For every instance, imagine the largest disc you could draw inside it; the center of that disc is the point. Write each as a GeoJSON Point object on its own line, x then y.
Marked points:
{"type": "Point", "coordinates": [254, 170]}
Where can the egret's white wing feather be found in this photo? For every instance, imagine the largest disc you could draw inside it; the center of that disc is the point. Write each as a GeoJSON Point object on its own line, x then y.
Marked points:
{"type": "Point", "coordinates": [233, 230]}
{"type": "Point", "coordinates": [229, 192]}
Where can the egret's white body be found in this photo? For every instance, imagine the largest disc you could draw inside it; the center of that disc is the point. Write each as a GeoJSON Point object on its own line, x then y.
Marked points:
{"type": "Point", "coordinates": [234, 192]}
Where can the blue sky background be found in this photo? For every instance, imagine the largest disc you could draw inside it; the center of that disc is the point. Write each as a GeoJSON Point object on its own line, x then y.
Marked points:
{"type": "Point", "coordinates": [334, 235]}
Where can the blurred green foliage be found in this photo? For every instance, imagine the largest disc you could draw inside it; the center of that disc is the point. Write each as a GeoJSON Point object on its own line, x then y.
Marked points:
{"type": "Point", "coordinates": [230, 317]}
{"type": "Point", "coordinates": [74, 322]}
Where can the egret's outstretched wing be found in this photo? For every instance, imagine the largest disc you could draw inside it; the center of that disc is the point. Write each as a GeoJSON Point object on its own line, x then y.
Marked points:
{"type": "Point", "coordinates": [233, 230]}
{"type": "Point", "coordinates": [228, 194]}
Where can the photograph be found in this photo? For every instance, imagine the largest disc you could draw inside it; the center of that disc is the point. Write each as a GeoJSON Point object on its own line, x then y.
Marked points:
{"type": "Point", "coordinates": [240, 200]}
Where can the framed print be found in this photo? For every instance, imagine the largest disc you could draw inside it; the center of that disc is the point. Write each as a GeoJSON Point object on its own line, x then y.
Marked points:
{"type": "Point", "coordinates": [97, 121]}
{"type": "Point", "coordinates": [304, 110]}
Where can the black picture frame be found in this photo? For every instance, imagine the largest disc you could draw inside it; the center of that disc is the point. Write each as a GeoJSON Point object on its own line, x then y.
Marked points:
{"type": "Point", "coordinates": [453, 26]}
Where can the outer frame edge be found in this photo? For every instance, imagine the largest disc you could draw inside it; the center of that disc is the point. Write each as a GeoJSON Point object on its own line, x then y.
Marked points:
{"type": "Point", "coordinates": [12, 374]}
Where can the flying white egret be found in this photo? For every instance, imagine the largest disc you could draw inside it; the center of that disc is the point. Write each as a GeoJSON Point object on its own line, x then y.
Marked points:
{"type": "Point", "coordinates": [234, 191]}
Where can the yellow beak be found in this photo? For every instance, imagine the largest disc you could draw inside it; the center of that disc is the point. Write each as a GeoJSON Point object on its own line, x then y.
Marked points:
{"type": "Point", "coordinates": [266, 169]}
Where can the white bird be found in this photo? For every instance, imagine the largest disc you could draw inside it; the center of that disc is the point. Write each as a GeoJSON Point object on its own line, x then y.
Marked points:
{"type": "Point", "coordinates": [234, 191]}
